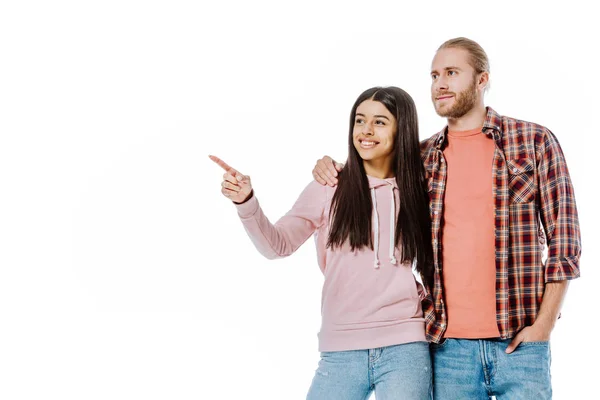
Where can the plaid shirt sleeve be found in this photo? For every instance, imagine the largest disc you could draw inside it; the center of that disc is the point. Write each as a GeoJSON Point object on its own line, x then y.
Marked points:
{"type": "Point", "coordinates": [558, 212]}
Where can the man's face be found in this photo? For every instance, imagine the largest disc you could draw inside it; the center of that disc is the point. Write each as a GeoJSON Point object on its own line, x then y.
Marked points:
{"type": "Point", "coordinates": [453, 83]}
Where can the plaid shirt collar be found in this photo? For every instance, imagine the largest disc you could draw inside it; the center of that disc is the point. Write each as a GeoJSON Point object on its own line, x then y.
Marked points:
{"type": "Point", "coordinates": [492, 126]}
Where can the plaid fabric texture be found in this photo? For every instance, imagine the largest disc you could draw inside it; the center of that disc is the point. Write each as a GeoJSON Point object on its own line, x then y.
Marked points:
{"type": "Point", "coordinates": [534, 204]}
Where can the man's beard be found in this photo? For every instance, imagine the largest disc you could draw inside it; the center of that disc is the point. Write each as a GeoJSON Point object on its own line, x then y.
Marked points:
{"type": "Point", "coordinates": [463, 103]}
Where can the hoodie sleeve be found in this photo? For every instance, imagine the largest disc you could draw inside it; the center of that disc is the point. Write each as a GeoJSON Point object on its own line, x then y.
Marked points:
{"type": "Point", "coordinates": [290, 231]}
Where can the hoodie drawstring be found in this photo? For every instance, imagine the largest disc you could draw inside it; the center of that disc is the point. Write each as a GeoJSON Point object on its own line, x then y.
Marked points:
{"type": "Point", "coordinates": [392, 228]}
{"type": "Point", "coordinates": [376, 232]}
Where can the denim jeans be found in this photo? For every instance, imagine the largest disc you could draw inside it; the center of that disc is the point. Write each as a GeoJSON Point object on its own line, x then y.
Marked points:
{"type": "Point", "coordinates": [478, 369]}
{"type": "Point", "coordinates": [394, 372]}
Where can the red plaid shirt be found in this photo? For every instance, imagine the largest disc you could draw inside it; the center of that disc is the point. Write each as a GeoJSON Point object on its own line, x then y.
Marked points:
{"type": "Point", "coordinates": [534, 200]}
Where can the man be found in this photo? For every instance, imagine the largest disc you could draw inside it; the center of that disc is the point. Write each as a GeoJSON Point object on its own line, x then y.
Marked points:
{"type": "Point", "coordinates": [499, 188]}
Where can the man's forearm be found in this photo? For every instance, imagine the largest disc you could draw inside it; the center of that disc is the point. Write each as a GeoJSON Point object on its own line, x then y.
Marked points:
{"type": "Point", "coordinates": [554, 294]}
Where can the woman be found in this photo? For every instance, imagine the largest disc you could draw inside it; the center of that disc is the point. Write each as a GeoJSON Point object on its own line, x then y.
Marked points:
{"type": "Point", "coordinates": [370, 230]}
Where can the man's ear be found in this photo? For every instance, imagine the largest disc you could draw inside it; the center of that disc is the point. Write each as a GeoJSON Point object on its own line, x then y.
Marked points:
{"type": "Point", "coordinates": [483, 81]}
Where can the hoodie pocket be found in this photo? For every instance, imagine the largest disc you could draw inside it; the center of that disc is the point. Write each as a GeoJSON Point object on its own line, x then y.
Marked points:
{"type": "Point", "coordinates": [521, 180]}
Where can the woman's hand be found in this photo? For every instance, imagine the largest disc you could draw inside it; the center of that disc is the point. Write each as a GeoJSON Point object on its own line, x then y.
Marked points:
{"type": "Point", "coordinates": [235, 186]}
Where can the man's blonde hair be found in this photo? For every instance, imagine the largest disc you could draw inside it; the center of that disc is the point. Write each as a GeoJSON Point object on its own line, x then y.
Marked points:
{"type": "Point", "coordinates": [478, 58]}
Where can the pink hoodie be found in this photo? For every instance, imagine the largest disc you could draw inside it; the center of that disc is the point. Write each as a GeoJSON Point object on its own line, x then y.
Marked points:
{"type": "Point", "coordinates": [368, 299]}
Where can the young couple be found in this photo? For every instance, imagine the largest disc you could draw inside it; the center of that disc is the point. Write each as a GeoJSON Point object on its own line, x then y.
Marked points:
{"type": "Point", "coordinates": [472, 209]}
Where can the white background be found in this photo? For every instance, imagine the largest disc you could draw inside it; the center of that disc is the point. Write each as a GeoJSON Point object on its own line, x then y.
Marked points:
{"type": "Point", "coordinates": [124, 274]}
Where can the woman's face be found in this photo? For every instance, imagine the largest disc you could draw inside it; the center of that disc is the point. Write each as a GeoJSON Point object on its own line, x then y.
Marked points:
{"type": "Point", "coordinates": [374, 131]}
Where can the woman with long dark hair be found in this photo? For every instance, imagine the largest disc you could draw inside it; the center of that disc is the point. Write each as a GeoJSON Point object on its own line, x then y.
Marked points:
{"type": "Point", "coordinates": [370, 231]}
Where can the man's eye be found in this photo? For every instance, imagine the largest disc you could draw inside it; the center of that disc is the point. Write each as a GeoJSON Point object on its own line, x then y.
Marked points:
{"type": "Point", "coordinates": [451, 72]}
{"type": "Point", "coordinates": [434, 76]}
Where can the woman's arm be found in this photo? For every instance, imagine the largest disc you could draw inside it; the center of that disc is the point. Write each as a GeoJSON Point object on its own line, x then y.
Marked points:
{"type": "Point", "coordinates": [289, 232]}
{"type": "Point", "coordinates": [293, 229]}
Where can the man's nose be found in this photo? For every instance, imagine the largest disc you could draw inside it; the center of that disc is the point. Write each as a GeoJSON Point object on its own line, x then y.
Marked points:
{"type": "Point", "coordinates": [441, 84]}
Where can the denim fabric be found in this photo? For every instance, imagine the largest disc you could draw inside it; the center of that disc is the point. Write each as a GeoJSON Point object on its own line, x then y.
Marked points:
{"type": "Point", "coordinates": [478, 369]}
{"type": "Point", "coordinates": [393, 373]}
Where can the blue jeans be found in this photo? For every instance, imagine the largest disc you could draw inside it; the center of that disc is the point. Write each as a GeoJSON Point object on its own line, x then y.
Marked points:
{"type": "Point", "coordinates": [395, 372]}
{"type": "Point", "coordinates": [477, 369]}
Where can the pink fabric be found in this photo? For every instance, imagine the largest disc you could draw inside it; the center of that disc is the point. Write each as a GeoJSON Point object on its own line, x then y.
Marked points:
{"type": "Point", "coordinates": [362, 306]}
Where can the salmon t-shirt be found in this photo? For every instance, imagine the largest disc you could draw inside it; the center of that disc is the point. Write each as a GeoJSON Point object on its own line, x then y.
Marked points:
{"type": "Point", "coordinates": [468, 240]}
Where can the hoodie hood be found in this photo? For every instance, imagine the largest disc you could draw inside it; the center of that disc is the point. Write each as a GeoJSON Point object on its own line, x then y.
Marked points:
{"type": "Point", "coordinates": [377, 182]}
